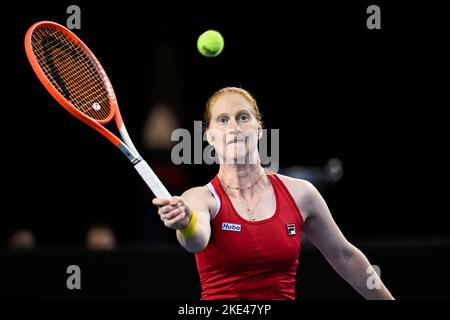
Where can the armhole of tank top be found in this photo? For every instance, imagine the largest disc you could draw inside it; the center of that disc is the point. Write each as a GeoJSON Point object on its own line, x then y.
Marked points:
{"type": "Point", "coordinates": [216, 197]}
{"type": "Point", "coordinates": [294, 204]}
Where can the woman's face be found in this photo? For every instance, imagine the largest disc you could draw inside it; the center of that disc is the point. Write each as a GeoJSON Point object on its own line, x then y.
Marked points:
{"type": "Point", "coordinates": [234, 130]}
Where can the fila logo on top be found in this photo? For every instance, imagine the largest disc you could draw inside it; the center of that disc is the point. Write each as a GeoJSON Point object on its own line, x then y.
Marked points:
{"type": "Point", "coordinates": [291, 229]}
{"type": "Point", "coordinates": [231, 227]}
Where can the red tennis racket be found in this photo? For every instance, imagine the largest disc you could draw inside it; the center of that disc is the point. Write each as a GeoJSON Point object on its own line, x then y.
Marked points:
{"type": "Point", "coordinates": [74, 77]}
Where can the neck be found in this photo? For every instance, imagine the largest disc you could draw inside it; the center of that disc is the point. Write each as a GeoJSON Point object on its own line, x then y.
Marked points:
{"type": "Point", "coordinates": [241, 176]}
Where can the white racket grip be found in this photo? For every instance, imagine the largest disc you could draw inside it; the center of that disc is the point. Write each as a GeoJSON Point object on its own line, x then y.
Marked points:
{"type": "Point", "coordinates": [152, 180]}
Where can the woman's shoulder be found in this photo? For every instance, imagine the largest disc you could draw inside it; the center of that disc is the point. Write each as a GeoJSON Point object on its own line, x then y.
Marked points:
{"type": "Point", "coordinates": [296, 186]}
{"type": "Point", "coordinates": [302, 191]}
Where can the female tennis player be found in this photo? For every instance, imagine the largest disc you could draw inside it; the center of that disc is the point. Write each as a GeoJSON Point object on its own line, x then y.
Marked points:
{"type": "Point", "coordinates": [245, 226]}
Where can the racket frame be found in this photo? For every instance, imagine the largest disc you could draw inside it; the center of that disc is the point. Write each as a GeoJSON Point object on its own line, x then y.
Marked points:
{"type": "Point", "coordinates": [125, 145]}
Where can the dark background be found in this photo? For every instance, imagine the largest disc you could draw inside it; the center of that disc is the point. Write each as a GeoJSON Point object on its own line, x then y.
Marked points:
{"type": "Point", "coordinates": [372, 98]}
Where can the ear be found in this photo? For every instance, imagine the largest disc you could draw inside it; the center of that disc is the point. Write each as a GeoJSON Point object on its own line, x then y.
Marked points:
{"type": "Point", "coordinates": [210, 137]}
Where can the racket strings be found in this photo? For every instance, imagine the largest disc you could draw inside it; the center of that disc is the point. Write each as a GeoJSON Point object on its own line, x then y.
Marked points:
{"type": "Point", "coordinates": [72, 72]}
{"type": "Point", "coordinates": [62, 84]}
{"type": "Point", "coordinates": [84, 101]}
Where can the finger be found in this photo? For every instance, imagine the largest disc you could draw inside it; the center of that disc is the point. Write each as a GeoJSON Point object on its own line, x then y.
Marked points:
{"type": "Point", "coordinates": [178, 218]}
{"type": "Point", "coordinates": [160, 201]}
{"type": "Point", "coordinates": [166, 209]}
{"type": "Point", "coordinates": [175, 200]}
{"type": "Point", "coordinates": [172, 217]}
{"type": "Point", "coordinates": [172, 214]}
{"type": "Point", "coordinates": [179, 212]}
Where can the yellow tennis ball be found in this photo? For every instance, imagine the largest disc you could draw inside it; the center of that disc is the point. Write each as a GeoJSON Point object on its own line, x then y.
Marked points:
{"type": "Point", "coordinates": [210, 43]}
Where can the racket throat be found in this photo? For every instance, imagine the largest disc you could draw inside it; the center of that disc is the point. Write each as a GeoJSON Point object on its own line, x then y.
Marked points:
{"type": "Point", "coordinates": [129, 153]}
{"type": "Point", "coordinates": [126, 138]}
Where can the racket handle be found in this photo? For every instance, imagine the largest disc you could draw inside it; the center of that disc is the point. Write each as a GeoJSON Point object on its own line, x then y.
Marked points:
{"type": "Point", "coordinates": [152, 180]}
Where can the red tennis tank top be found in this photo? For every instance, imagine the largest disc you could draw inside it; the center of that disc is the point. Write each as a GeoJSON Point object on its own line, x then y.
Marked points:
{"type": "Point", "coordinates": [252, 260]}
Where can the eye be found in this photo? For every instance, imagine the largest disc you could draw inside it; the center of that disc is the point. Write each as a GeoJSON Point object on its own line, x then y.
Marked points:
{"type": "Point", "coordinates": [222, 119]}
{"type": "Point", "coordinates": [243, 117]}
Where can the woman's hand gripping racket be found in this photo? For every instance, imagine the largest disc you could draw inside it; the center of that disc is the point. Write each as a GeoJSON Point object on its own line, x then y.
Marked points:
{"type": "Point", "coordinates": [74, 77]}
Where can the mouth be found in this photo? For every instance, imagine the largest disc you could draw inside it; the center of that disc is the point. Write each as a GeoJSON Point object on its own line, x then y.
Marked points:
{"type": "Point", "coordinates": [236, 140]}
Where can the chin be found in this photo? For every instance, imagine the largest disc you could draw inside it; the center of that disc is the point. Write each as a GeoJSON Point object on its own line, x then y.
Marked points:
{"type": "Point", "coordinates": [236, 153]}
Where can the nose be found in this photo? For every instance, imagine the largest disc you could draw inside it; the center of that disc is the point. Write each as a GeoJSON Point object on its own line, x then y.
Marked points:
{"type": "Point", "coordinates": [232, 125]}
